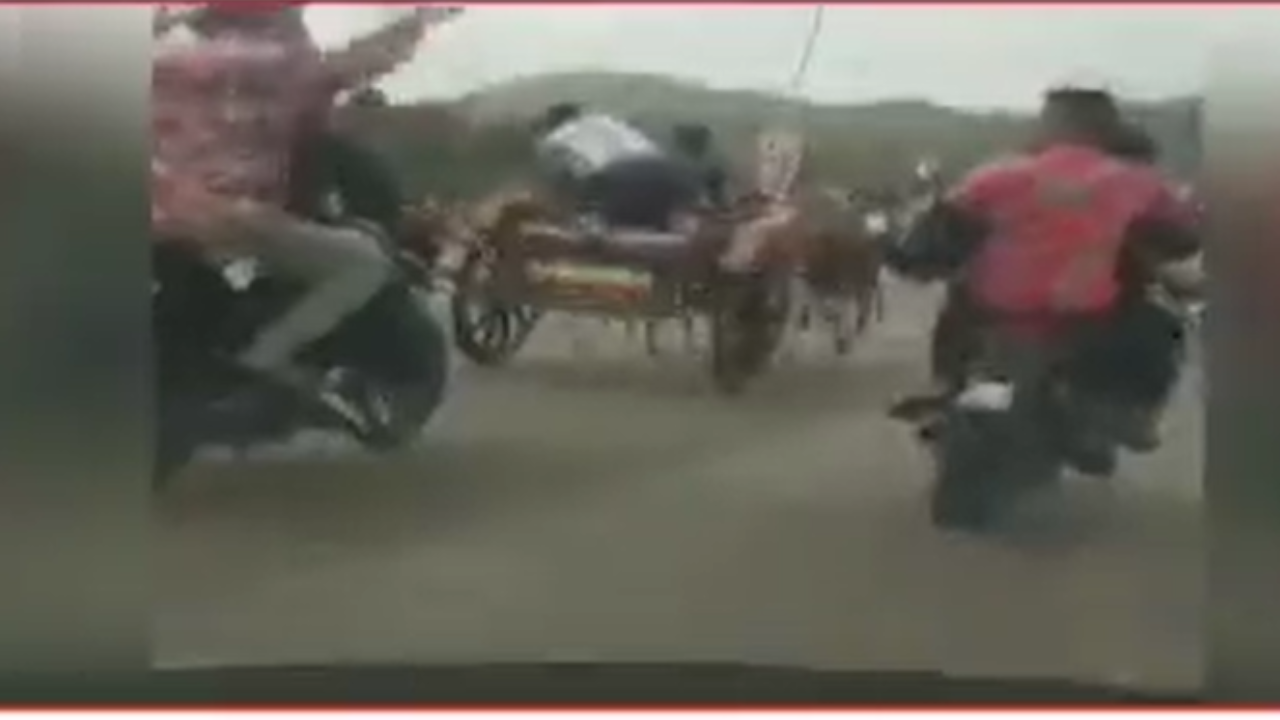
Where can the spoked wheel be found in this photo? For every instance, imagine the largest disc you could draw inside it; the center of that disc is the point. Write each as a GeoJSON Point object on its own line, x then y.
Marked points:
{"type": "Point", "coordinates": [486, 330]}
{"type": "Point", "coordinates": [748, 319]}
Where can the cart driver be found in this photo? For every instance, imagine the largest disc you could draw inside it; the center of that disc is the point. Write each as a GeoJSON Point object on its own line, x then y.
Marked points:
{"type": "Point", "coordinates": [608, 170]}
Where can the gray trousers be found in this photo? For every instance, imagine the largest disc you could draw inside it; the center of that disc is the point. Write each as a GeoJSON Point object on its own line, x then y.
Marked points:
{"type": "Point", "coordinates": [342, 269]}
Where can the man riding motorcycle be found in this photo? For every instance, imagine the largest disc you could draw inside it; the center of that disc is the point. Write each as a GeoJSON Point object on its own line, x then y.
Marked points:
{"type": "Point", "coordinates": [227, 112]}
{"type": "Point", "coordinates": [1039, 237]}
{"type": "Point", "coordinates": [604, 167]}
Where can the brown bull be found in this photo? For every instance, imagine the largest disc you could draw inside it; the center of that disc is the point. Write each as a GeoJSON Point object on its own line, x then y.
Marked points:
{"type": "Point", "coordinates": [839, 264]}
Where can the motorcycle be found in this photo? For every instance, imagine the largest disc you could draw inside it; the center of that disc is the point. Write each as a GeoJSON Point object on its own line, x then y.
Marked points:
{"type": "Point", "coordinates": [1019, 416]}
{"type": "Point", "coordinates": [1018, 422]}
{"type": "Point", "coordinates": [391, 357]}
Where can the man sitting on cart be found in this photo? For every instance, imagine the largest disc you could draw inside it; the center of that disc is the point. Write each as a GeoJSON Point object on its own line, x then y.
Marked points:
{"type": "Point", "coordinates": [695, 145]}
{"type": "Point", "coordinates": [605, 169]}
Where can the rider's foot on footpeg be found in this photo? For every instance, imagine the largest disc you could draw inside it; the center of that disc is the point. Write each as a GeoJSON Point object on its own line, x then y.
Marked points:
{"type": "Point", "coordinates": [335, 394]}
{"type": "Point", "coordinates": [343, 395]}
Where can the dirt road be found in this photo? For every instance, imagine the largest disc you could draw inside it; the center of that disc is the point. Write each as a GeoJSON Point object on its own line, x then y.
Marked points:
{"type": "Point", "coordinates": [611, 507]}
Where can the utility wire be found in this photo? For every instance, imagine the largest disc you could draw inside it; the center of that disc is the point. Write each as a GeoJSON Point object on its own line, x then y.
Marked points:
{"type": "Point", "coordinates": [806, 54]}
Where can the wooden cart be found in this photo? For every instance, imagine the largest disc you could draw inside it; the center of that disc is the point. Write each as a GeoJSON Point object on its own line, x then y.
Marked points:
{"type": "Point", "coordinates": [525, 264]}
{"type": "Point", "coordinates": [525, 269]}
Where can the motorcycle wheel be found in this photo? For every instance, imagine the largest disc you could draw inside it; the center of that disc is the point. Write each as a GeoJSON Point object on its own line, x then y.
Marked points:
{"type": "Point", "coordinates": [963, 495]}
{"type": "Point", "coordinates": [984, 462]}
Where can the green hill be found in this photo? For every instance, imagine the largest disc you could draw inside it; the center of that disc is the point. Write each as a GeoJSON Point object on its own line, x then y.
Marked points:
{"type": "Point", "coordinates": [467, 146]}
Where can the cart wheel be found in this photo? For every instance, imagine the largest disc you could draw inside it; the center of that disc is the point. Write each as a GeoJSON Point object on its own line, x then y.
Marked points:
{"type": "Point", "coordinates": [749, 317]}
{"type": "Point", "coordinates": [487, 331]}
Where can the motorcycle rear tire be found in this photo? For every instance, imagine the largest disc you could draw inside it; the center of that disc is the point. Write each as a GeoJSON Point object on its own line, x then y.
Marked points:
{"type": "Point", "coordinates": [964, 492]}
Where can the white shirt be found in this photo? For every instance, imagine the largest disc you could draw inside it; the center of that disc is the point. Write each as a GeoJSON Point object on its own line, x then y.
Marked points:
{"type": "Point", "coordinates": [593, 142]}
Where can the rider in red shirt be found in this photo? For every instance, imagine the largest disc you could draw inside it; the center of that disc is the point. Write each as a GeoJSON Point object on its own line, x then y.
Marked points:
{"type": "Point", "coordinates": [1040, 236]}
{"type": "Point", "coordinates": [1057, 219]}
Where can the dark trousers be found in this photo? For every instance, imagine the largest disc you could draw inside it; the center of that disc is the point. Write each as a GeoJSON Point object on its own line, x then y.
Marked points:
{"type": "Point", "coordinates": [639, 193]}
{"type": "Point", "coordinates": [1138, 358]}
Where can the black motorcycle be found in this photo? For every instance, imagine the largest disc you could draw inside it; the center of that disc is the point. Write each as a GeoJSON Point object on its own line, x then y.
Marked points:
{"type": "Point", "coordinates": [1037, 401]}
{"type": "Point", "coordinates": [1033, 399]}
{"type": "Point", "coordinates": [1017, 422]}
{"type": "Point", "coordinates": [391, 358]}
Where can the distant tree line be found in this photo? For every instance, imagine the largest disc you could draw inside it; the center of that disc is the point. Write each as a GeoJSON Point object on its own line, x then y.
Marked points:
{"type": "Point", "coordinates": [437, 151]}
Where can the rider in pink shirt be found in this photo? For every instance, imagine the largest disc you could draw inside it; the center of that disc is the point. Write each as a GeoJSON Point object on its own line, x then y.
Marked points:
{"type": "Point", "coordinates": [228, 106]}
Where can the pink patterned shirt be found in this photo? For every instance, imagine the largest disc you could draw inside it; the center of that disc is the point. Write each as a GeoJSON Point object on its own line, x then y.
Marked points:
{"type": "Point", "coordinates": [225, 113]}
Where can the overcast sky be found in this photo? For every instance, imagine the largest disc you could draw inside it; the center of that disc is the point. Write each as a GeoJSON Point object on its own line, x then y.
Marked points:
{"type": "Point", "coordinates": [975, 56]}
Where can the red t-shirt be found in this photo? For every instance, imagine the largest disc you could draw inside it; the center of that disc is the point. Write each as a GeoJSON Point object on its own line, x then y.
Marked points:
{"type": "Point", "coordinates": [1057, 222]}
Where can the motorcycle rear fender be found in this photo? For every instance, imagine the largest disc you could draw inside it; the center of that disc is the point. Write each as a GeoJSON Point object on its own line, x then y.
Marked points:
{"type": "Point", "coordinates": [986, 395]}
{"type": "Point", "coordinates": [1013, 361]}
